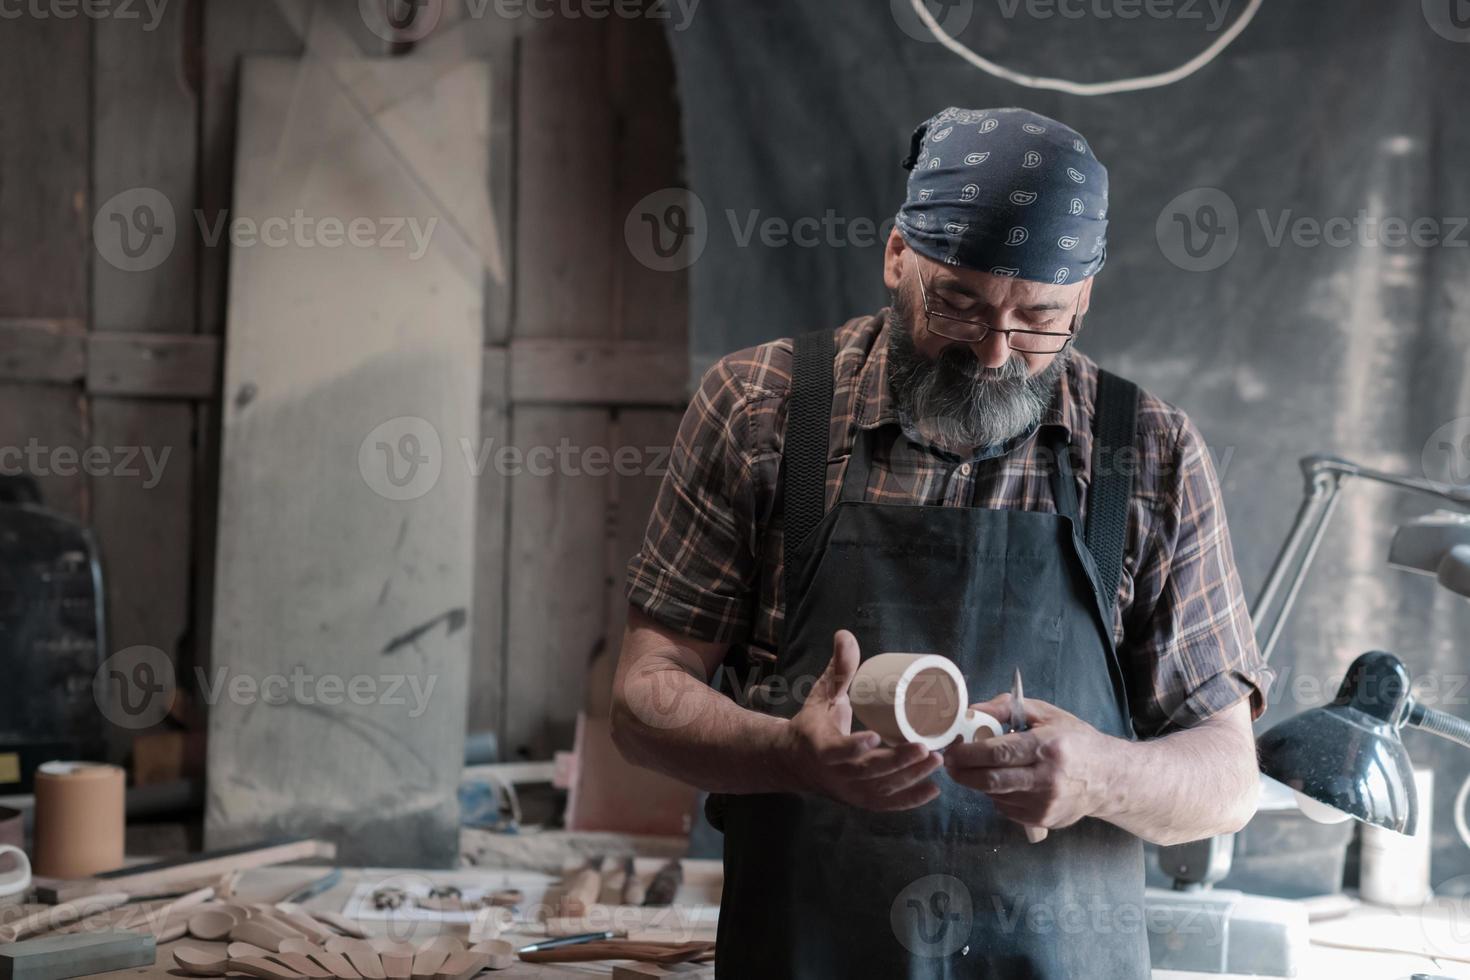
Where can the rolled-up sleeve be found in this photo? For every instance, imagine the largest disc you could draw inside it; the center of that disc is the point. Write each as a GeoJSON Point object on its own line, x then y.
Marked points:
{"type": "Point", "coordinates": [1189, 643]}
{"type": "Point", "coordinates": [696, 568]}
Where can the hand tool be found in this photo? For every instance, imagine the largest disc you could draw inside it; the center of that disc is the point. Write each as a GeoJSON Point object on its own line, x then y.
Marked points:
{"type": "Point", "coordinates": [584, 937]}
{"type": "Point", "coordinates": [622, 949]}
{"type": "Point", "coordinates": [1018, 724]}
{"type": "Point", "coordinates": [315, 888]}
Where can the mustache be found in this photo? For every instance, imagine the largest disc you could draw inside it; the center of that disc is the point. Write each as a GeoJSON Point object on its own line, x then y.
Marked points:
{"type": "Point", "coordinates": [957, 400]}
{"type": "Point", "coordinates": [958, 359]}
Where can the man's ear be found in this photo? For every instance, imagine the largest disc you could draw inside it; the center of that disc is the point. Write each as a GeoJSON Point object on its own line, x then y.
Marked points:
{"type": "Point", "coordinates": [894, 259]}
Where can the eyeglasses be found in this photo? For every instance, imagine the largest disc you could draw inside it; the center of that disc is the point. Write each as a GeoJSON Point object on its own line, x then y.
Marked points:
{"type": "Point", "coordinates": [952, 326]}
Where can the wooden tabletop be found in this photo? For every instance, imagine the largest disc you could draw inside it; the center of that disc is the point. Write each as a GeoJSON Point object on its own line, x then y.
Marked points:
{"type": "Point", "coordinates": [1442, 927]}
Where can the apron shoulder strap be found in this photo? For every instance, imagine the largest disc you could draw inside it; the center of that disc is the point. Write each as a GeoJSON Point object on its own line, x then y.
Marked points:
{"type": "Point", "coordinates": [1114, 427]}
{"type": "Point", "coordinates": [808, 428]}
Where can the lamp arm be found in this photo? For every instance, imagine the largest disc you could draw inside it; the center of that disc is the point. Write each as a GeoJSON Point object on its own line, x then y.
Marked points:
{"type": "Point", "coordinates": [1319, 500]}
{"type": "Point", "coordinates": [1440, 723]}
{"type": "Point", "coordinates": [1324, 476]}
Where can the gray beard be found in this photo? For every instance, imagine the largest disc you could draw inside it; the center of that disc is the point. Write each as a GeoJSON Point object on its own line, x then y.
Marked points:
{"type": "Point", "coordinates": [956, 404]}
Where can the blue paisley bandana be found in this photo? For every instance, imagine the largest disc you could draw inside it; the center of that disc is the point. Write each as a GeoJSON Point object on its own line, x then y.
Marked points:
{"type": "Point", "coordinates": [1006, 191]}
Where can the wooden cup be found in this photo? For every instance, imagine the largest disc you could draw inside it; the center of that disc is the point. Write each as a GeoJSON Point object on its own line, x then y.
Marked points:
{"type": "Point", "coordinates": [917, 697]}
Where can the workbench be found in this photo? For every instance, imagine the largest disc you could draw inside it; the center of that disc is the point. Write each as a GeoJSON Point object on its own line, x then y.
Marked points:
{"type": "Point", "coordinates": [1443, 926]}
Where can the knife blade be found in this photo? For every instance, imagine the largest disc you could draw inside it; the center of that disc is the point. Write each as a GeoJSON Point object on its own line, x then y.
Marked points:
{"type": "Point", "coordinates": [1018, 724]}
{"type": "Point", "coordinates": [1018, 704]}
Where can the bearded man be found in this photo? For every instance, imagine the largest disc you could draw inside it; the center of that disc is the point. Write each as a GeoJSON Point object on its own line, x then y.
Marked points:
{"type": "Point", "coordinates": [948, 476]}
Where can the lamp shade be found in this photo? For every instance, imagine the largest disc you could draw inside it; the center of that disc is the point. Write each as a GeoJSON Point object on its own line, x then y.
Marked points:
{"type": "Point", "coordinates": [1348, 754]}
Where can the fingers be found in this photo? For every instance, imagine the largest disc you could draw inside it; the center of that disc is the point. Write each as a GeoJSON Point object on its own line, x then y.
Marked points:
{"type": "Point", "coordinates": [998, 782]}
{"type": "Point", "coordinates": [997, 707]}
{"type": "Point", "coordinates": [838, 676]}
{"type": "Point", "coordinates": [1014, 749]}
{"type": "Point", "coordinates": [887, 761]}
{"type": "Point", "coordinates": [1037, 711]}
{"type": "Point", "coordinates": [901, 789]}
{"type": "Point", "coordinates": [847, 749]}
{"type": "Point", "coordinates": [907, 799]}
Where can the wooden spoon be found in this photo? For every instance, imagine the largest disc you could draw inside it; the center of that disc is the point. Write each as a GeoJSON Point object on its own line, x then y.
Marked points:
{"type": "Point", "coordinates": [339, 922]}
{"type": "Point", "coordinates": [341, 968]}
{"type": "Point", "coordinates": [258, 932]}
{"type": "Point", "coordinates": [302, 920]}
{"type": "Point", "coordinates": [240, 951]}
{"type": "Point", "coordinates": [397, 957]}
{"type": "Point", "coordinates": [360, 954]}
{"type": "Point", "coordinates": [212, 924]}
{"type": "Point", "coordinates": [492, 954]}
{"type": "Point", "coordinates": [205, 964]}
{"type": "Point", "coordinates": [432, 954]}
{"type": "Point", "coordinates": [335, 964]}
{"type": "Point", "coordinates": [278, 920]}
{"type": "Point", "coordinates": [296, 953]}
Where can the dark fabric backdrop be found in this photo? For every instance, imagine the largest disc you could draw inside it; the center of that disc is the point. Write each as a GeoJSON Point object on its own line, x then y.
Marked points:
{"type": "Point", "coordinates": [803, 109]}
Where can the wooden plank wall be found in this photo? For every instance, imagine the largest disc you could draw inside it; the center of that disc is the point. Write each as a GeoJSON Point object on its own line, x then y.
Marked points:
{"type": "Point", "coordinates": [584, 346]}
{"type": "Point", "coordinates": [577, 280]}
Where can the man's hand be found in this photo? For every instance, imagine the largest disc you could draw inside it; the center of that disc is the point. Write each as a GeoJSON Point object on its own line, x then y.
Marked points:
{"type": "Point", "coordinates": [1052, 775]}
{"type": "Point", "coordinates": [854, 769]}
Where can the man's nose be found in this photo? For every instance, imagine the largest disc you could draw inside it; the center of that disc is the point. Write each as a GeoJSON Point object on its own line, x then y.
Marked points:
{"type": "Point", "coordinates": [992, 350]}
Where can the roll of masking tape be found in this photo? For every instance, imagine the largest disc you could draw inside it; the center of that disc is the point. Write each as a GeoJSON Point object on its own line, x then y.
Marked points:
{"type": "Point", "coordinates": [79, 819]}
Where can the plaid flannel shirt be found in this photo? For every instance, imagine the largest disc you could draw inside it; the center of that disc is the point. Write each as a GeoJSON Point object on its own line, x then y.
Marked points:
{"type": "Point", "coordinates": [711, 562]}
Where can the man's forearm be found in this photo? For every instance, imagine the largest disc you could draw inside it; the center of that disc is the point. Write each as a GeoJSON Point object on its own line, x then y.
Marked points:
{"type": "Point", "coordinates": [666, 718]}
{"type": "Point", "coordinates": [1186, 786]}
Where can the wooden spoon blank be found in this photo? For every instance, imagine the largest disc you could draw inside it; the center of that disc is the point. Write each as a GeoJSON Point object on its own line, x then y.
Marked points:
{"type": "Point", "coordinates": [212, 924]}
{"type": "Point", "coordinates": [303, 922]}
{"type": "Point", "coordinates": [462, 966]}
{"type": "Point", "coordinates": [259, 966]}
{"type": "Point", "coordinates": [500, 955]}
{"type": "Point", "coordinates": [201, 963]}
{"type": "Point", "coordinates": [257, 933]}
{"type": "Point", "coordinates": [493, 954]}
{"type": "Point", "coordinates": [241, 951]}
{"type": "Point", "coordinates": [339, 922]}
{"type": "Point", "coordinates": [341, 968]}
{"type": "Point", "coordinates": [397, 958]}
{"type": "Point", "coordinates": [432, 954]}
{"type": "Point", "coordinates": [302, 964]}
{"type": "Point", "coordinates": [363, 957]}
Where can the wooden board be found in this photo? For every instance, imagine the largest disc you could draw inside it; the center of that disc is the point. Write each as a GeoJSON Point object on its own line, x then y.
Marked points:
{"type": "Point", "coordinates": [556, 611]}
{"type": "Point", "coordinates": [56, 957]}
{"type": "Point", "coordinates": [333, 356]}
{"type": "Point", "coordinates": [488, 660]}
{"type": "Point", "coordinates": [45, 148]}
{"type": "Point", "coordinates": [184, 871]}
{"type": "Point", "coordinates": [565, 174]}
{"type": "Point", "coordinates": [45, 131]}
{"type": "Point", "coordinates": [42, 350]}
{"type": "Point", "coordinates": [144, 143]}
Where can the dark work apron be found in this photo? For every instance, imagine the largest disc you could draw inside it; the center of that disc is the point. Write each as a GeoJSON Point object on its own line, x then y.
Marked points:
{"type": "Point", "coordinates": [818, 890]}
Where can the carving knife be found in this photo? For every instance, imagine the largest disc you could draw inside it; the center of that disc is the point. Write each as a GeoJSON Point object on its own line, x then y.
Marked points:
{"type": "Point", "coordinates": [1018, 724]}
